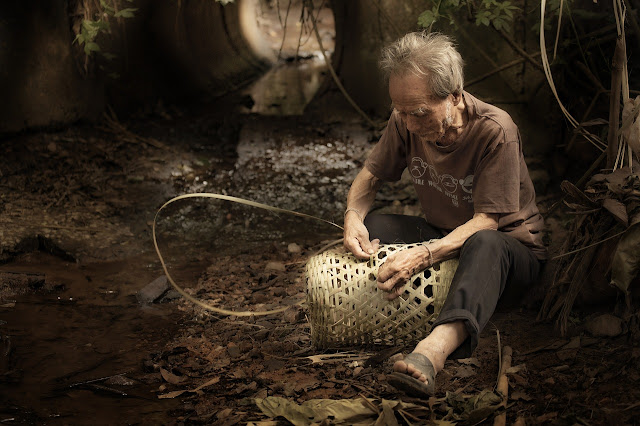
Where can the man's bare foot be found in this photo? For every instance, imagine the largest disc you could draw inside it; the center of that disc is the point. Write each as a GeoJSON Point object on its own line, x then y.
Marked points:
{"type": "Point", "coordinates": [414, 375]}
{"type": "Point", "coordinates": [408, 368]}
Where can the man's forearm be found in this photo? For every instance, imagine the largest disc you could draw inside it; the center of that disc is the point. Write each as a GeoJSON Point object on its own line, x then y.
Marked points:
{"type": "Point", "coordinates": [448, 247]}
{"type": "Point", "coordinates": [362, 193]}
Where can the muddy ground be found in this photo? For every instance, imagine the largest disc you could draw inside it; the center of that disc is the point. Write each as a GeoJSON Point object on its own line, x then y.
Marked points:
{"type": "Point", "coordinates": [84, 339]}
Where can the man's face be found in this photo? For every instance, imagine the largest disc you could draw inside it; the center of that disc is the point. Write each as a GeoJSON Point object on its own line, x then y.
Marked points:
{"type": "Point", "coordinates": [425, 115]}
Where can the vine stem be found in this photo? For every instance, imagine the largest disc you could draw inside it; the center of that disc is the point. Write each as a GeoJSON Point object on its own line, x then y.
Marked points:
{"type": "Point", "coordinates": [335, 76]}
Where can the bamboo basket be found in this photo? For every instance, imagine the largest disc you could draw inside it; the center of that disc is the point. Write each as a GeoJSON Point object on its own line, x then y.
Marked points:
{"type": "Point", "coordinates": [346, 308]}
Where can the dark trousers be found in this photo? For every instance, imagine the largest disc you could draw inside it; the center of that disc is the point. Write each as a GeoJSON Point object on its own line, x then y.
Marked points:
{"type": "Point", "coordinates": [492, 264]}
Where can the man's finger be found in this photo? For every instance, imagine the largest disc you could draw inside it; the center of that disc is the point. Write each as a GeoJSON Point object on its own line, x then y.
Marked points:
{"type": "Point", "coordinates": [389, 284]}
{"type": "Point", "coordinates": [396, 292]}
{"type": "Point", "coordinates": [368, 247]}
{"type": "Point", "coordinates": [354, 246]}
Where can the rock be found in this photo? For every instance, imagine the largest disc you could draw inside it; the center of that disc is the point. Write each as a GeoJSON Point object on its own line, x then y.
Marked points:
{"type": "Point", "coordinates": [275, 266]}
{"type": "Point", "coordinates": [293, 248]}
{"type": "Point", "coordinates": [153, 291]}
{"type": "Point", "coordinates": [170, 295]}
{"type": "Point", "coordinates": [606, 325]}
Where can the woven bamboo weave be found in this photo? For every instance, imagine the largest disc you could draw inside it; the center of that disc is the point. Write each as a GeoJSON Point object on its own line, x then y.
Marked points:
{"type": "Point", "coordinates": [346, 307]}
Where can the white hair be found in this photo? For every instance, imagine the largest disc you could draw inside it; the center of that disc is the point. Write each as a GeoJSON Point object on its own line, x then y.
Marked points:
{"type": "Point", "coordinates": [432, 55]}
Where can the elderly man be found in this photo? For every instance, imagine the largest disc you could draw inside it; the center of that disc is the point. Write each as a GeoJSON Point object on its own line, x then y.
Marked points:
{"type": "Point", "coordinates": [465, 159]}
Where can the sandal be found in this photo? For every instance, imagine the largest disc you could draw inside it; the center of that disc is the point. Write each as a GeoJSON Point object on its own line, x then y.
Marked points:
{"type": "Point", "coordinates": [410, 385]}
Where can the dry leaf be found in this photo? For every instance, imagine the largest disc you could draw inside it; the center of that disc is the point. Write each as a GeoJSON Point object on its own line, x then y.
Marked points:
{"type": "Point", "coordinates": [470, 361]}
{"type": "Point", "coordinates": [341, 411]}
{"type": "Point", "coordinates": [617, 209]}
{"type": "Point", "coordinates": [626, 259]}
{"type": "Point", "coordinates": [175, 394]}
{"type": "Point", "coordinates": [333, 358]}
{"type": "Point", "coordinates": [170, 377]}
{"type": "Point", "coordinates": [517, 369]}
{"type": "Point", "coordinates": [520, 396]}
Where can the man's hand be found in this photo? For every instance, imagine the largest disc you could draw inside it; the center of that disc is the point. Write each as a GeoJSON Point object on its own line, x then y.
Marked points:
{"type": "Point", "coordinates": [399, 268]}
{"type": "Point", "coordinates": [356, 237]}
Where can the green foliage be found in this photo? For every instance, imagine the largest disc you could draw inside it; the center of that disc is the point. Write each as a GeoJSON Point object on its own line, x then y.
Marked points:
{"type": "Point", "coordinates": [499, 13]}
{"type": "Point", "coordinates": [92, 28]}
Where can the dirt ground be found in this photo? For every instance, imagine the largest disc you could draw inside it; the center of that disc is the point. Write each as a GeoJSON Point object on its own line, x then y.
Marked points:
{"type": "Point", "coordinates": [80, 344]}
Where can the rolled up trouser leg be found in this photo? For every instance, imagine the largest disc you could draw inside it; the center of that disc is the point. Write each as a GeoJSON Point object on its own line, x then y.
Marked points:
{"type": "Point", "coordinates": [490, 261]}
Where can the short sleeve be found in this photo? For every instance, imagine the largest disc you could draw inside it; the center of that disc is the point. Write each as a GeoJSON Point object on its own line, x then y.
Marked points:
{"type": "Point", "coordinates": [388, 159]}
{"type": "Point", "coordinates": [496, 183]}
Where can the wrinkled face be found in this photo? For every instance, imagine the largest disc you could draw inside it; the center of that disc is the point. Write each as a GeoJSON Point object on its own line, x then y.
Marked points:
{"type": "Point", "coordinates": [425, 115]}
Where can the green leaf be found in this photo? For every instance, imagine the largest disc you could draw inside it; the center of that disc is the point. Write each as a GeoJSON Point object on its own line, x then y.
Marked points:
{"type": "Point", "coordinates": [107, 7]}
{"type": "Point", "coordinates": [91, 47]}
{"type": "Point", "coordinates": [126, 13]}
{"type": "Point", "coordinates": [109, 56]}
{"type": "Point", "coordinates": [427, 18]}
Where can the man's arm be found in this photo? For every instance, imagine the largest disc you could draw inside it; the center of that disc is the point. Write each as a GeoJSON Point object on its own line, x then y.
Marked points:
{"type": "Point", "coordinates": [399, 268]}
{"type": "Point", "coordinates": [359, 200]}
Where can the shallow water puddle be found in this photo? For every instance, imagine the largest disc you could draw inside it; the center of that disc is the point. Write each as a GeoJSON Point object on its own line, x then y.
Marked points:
{"type": "Point", "coordinates": [61, 341]}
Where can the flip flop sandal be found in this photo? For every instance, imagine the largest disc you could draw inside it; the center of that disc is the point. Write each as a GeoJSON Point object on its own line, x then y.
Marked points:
{"type": "Point", "coordinates": [410, 385]}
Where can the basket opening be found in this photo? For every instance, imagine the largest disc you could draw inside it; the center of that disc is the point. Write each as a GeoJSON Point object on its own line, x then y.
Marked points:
{"type": "Point", "coordinates": [428, 289]}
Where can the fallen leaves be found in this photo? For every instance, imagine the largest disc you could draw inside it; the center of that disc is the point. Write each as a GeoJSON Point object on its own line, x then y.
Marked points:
{"type": "Point", "coordinates": [358, 411]}
{"type": "Point", "coordinates": [197, 390]}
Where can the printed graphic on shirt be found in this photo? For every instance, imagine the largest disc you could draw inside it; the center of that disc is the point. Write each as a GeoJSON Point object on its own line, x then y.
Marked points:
{"type": "Point", "coordinates": [444, 183]}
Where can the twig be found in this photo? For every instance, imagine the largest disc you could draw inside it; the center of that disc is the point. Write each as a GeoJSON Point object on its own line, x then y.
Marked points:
{"type": "Point", "coordinates": [580, 182]}
{"type": "Point", "coordinates": [584, 118]}
{"type": "Point", "coordinates": [591, 77]}
{"type": "Point", "coordinates": [520, 50]}
{"type": "Point", "coordinates": [369, 404]}
{"type": "Point", "coordinates": [474, 44]}
{"type": "Point", "coordinates": [101, 379]}
{"type": "Point", "coordinates": [499, 356]}
{"type": "Point", "coordinates": [503, 386]}
{"type": "Point", "coordinates": [617, 65]}
{"type": "Point", "coordinates": [335, 76]}
{"type": "Point", "coordinates": [555, 45]}
{"type": "Point", "coordinates": [589, 246]}
{"type": "Point", "coordinates": [284, 26]}
{"type": "Point", "coordinates": [497, 70]}
{"type": "Point", "coordinates": [114, 126]}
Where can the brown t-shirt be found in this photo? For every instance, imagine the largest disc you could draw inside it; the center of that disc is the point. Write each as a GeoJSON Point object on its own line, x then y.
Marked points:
{"type": "Point", "coordinates": [483, 171]}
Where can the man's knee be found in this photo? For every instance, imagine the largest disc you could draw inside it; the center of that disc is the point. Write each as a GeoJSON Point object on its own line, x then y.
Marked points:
{"type": "Point", "coordinates": [486, 239]}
